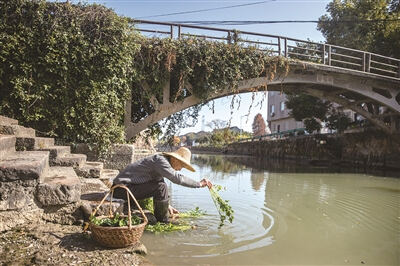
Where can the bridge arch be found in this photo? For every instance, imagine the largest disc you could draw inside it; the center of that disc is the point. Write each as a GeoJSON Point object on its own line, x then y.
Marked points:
{"type": "Point", "coordinates": [349, 88]}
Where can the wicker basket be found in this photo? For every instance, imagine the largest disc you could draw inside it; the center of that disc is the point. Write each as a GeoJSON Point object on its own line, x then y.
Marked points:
{"type": "Point", "coordinates": [118, 237]}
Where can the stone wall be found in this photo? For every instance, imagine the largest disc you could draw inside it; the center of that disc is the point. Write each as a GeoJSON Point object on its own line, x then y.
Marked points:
{"type": "Point", "coordinates": [119, 156]}
{"type": "Point", "coordinates": [368, 149]}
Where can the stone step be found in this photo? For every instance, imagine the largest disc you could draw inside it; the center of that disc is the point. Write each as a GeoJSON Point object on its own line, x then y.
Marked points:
{"type": "Point", "coordinates": [36, 143]}
{"type": "Point", "coordinates": [57, 152]}
{"type": "Point", "coordinates": [7, 145]}
{"type": "Point", "coordinates": [24, 165]}
{"type": "Point", "coordinates": [90, 185]}
{"type": "Point", "coordinates": [90, 170]}
{"type": "Point", "coordinates": [74, 160]}
{"type": "Point", "coordinates": [7, 121]}
{"type": "Point", "coordinates": [107, 176]}
{"type": "Point", "coordinates": [60, 186]}
{"type": "Point", "coordinates": [16, 130]}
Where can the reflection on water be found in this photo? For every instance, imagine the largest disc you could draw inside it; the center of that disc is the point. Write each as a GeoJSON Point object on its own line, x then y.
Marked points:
{"type": "Point", "coordinates": [284, 218]}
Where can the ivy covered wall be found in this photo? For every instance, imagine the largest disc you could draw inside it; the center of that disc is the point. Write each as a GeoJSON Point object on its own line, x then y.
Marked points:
{"type": "Point", "coordinates": [66, 69]}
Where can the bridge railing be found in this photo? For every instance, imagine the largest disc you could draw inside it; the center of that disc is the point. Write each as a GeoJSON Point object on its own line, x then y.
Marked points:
{"type": "Point", "coordinates": [320, 53]}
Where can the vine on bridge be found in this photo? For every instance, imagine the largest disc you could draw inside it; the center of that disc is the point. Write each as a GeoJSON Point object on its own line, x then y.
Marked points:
{"type": "Point", "coordinates": [195, 67]}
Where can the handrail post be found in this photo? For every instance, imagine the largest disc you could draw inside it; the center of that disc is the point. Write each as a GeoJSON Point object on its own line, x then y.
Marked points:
{"type": "Point", "coordinates": [286, 48]}
{"type": "Point", "coordinates": [279, 46]}
{"type": "Point", "coordinates": [323, 54]}
{"type": "Point", "coordinates": [172, 31]}
{"type": "Point", "coordinates": [229, 37]}
{"type": "Point", "coordinates": [179, 32]}
{"type": "Point", "coordinates": [398, 70]}
{"type": "Point", "coordinates": [368, 63]}
{"type": "Point", "coordinates": [363, 60]}
{"type": "Point", "coordinates": [329, 55]}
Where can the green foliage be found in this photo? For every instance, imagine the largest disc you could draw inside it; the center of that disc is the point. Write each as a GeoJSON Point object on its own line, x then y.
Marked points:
{"type": "Point", "coordinates": [197, 212]}
{"type": "Point", "coordinates": [339, 121]}
{"type": "Point", "coordinates": [305, 106]}
{"type": "Point", "coordinates": [224, 209]}
{"type": "Point", "coordinates": [166, 228]}
{"type": "Point", "coordinates": [182, 226]}
{"type": "Point", "coordinates": [209, 68]}
{"type": "Point", "coordinates": [66, 69]}
{"type": "Point", "coordinates": [381, 37]}
{"type": "Point", "coordinates": [116, 221]}
{"type": "Point", "coordinates": [311, 125]}
{"type": "Point", "coordinates": [312, 111]}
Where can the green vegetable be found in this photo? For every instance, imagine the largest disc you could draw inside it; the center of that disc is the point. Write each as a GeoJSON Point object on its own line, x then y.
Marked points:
{"type": "Point", "coordinates": [224, 209]}
{"type": "Point", "coordinates": [116, 221]}
{"type": "Point", "coordinates": [192, 214]}
{"type": "Point", "coordinates": [161, 227]}
{"type": "Point", "coordinates": [184, 226]}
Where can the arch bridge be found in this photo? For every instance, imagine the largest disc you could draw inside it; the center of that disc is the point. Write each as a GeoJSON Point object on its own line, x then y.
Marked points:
{"type": "Point", "coordinates": [364, 82]}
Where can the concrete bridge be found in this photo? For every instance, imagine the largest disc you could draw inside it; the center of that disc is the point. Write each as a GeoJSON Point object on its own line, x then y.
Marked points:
{"type": "Point", "coordinates": [366, 83]}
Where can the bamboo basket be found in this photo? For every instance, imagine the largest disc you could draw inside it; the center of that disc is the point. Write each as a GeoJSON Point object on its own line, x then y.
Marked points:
{"type": "Point", "coordinates": [118, 237]}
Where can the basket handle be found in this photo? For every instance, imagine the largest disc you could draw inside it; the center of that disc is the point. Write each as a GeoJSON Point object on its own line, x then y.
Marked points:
{"type": "Point", "coordinates": [128, 194]}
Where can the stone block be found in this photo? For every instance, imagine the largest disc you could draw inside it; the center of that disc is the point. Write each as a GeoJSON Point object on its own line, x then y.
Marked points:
{"type": "Point", "coordinates": [107, 176]}
{"type": "Point", "coordinates": [36, 143]}
{"type": "Point", "coordinates": [17, 194]}
{"type": "Point", "coordinates": [64, 214]}
{"type": "Point", "coordinates": [7, 145]}
{"type": "Point", "coordinates": [73, 160]}
{"type": "Point", "coordinates": [57, 152]}
{"type": "Point", "coordinates": [90, 170]}
{"type": "Point", "coordinates": [120, 156]}
{"type": "Point", "coordinates": [24, 165]}
{"type": "Point", "coordinates": [60, 186]}
{"type": "Point", "coordinates": [89, 185]}
{"type": "Point", "coordinates": [17, 130]}
{"type": "Point", "coordinates": [7, 121]}
{"type": "Point", "coordinates": [82, 148]}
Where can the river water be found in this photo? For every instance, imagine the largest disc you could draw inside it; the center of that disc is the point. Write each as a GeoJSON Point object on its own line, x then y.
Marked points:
{"type": "Point", "coordinates": [284, 216]}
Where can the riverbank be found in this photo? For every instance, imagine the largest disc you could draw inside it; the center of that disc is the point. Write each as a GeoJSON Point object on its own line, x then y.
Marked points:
{"type": "Point", "coordinates": [366, 150]}
{"type": "Point", "coordinates": [54, 244]}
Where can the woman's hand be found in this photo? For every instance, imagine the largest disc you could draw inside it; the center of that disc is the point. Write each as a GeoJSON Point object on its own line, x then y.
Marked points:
{"type": "Point", "coordinates": [172, 211]}
{"type": "Point", "coordinates": [205, 182]}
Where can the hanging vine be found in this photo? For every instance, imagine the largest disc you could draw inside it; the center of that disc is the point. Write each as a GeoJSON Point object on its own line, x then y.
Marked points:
{"type": "Point", "coordinates": [209, 67]}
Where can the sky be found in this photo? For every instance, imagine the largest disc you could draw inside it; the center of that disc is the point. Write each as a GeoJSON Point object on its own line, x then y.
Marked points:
{"type": "Point", "coordinates": [246, 10]}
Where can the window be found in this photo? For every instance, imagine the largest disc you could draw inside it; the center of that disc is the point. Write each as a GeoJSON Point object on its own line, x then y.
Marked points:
{"type": "Point", "coordinates": [272, 111]}
{"type": "Point", "coordinates": [279, 128]}
{"type": "Point", "coordinates": [282, 106]}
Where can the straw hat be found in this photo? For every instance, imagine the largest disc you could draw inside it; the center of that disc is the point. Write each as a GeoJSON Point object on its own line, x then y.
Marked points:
{"type": "Point", "coordinates": [182, 154]}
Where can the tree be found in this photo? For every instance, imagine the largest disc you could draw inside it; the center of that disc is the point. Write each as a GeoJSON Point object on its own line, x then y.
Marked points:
{"type": "Point", "coordinates": [370, 25]}
{"type": "Point", "coordinates": [306, 106]}
{"type": "Point", "coordinates": [217, 124]}
{"type": "Point", "coordinates": [259, 125]}
{"type": "Point", "coordinates": [312, 111]}
{"type": "Point", "coordinates": [312, 124]}
{"type": "Point", "coordinates": [338, 120]}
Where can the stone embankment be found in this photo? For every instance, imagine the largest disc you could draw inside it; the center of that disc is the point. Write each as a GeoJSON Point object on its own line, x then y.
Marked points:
{"type": "Point", "coordinates": [42, 181]}
{"type": "Point", "coordinates": [44, 190]}
{"type": "Point", "coordinates": [367, 150]}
